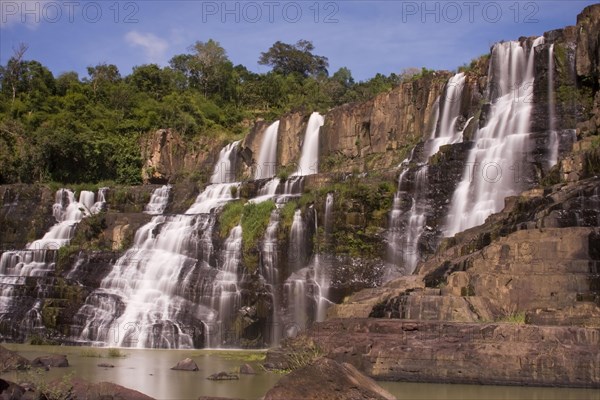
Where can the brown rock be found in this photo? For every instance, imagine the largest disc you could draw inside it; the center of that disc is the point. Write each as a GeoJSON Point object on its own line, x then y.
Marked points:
{"type": "Point", "coordinates": [10, 390]}
{"type": "Point", "coordinates": [588, 24]}
{"type": "Point", "coordinates": [10, 360]}
{"type": "Point", "coordinates": [223, 376]}
{"type": "Point", "coordinates": [186, 364]}
{"type": "Point", "coordinates": [53, 360]}
{"type": "Point", "coordinates": [327, 379]}
{"type": "Point", "coordinates": [84, 390]}
{"type": "Point", "coordinates": [450, 352]}
{"type": "Point", "coordinates": [246, 369]}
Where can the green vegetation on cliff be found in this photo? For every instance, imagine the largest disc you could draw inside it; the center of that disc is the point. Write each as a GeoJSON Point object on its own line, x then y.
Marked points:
{"type": "Point", "coordinates": [73, 129]}
{"type": "Point", "coordinates": [254, 219]}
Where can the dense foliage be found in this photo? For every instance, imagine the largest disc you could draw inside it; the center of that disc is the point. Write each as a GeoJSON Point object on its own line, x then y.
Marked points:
{"type": "Point", "coordinates": [75, 129]}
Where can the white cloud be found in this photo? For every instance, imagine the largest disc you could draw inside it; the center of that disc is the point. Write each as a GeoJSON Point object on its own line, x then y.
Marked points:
{"type": "Point", "coordinates": [154, 47]}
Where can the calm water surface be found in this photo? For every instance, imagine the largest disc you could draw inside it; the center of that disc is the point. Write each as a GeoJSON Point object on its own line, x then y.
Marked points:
{"type": "Point", "coordinates": [149, 372]}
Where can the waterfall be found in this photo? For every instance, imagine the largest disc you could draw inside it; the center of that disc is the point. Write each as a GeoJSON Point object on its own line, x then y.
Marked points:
{"type": "Point", "coordinates": [162, 288]}
{"type": "Point", "coordinates": [35, 260]}
{"type": "Point", "coordinates": [224, 171]}
{"type": "Point", "coordinates": [39, 257]}
{"type": "Point", "coordinates": [553, 142]}
{"type": "Point", "coordinates": [267, 156]}
{"type": "Point", "coordinates": [446, 130]}
{"type": "Point", "coordinates": [297, 254]}
{"type": "Point", "coordinates": [309, 159]}
{"type": "Point", "coordinates": [223, 187]}
{"type": "Point", "coordinates": [406, 227]}
{"type": "Point", "coordinates": [492, 171]}
{"type": "Point", "coordinates": [269, 270]}
{"type": "Point", "coordinates": [306, 289]}
{"type": "Point", "coordinates": [308, 164]}
{"type": "Point", "coordinates": [158, 201]}
{"type": "Point", "coordinates": [328, 222]}
{"type": "Point", "coordinates": [68, 213]}
{"type": "Point", "coordinates": [227, 296]}
{"type": "Point", "coordinates": [409, 211]}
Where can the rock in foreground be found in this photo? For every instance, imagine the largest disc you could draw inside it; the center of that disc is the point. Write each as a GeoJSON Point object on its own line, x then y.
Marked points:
{"type": "Point", "coordinates": [104, 391]}
{"type": "Point", "coordinates": [452, 352]}
{"type": "Point", "coordinates": [327, 379]}
{"type": "Point", "coordinates": [10, 390]}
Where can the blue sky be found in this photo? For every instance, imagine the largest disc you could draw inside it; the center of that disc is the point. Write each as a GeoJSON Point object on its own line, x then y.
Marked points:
{"type": "Point", "coordinates": [365, 36]}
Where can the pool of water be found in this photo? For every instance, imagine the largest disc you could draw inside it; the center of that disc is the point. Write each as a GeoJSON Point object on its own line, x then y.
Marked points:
{"type": "Point", "coordinates": [149, 371]}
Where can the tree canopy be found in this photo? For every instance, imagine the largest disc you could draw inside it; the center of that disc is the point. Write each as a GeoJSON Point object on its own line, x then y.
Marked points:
{"type": "Point", "coordinates": [294, 58]}
{"type": "Point", "coordinates": [72, 130]}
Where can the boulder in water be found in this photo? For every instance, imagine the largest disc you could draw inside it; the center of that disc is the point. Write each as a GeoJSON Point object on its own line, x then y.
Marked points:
{"type": "Point", "coordinates": [246, 369]}
{"type": "Point", "coordinates": [186, 364]}
{"type": "Point", "coordinates": [10, 360]}
{"type": "Point", "coordinates": [327, 379]}
{"type": "Point", "coordinates": [53, 360]}
{"type": "Point", "coordinates": [223, 376]}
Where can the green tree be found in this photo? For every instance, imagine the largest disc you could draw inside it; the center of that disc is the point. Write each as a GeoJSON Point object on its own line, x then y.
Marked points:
{"type": "Point", "coordinates": [297, 58]}
{"type": "Point", "coordinates": [102, 75]}
{"type": "Point", "coordinates": [210, 64]}
{"type": "Point", "coordinates": [12, 73]}
{"type": "Point", "coordinates": [152, 80]}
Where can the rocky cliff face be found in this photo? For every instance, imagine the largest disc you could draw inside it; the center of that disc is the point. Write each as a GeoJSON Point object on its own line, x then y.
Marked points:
{"type": "Point", "coordinates": [378, 134]}
{"type": "Point", "coordinates": [25, 215]}
{"type": "Point", "coordinates": [169, 158]}
{"type": "Point", "coordinates": [492, 353]}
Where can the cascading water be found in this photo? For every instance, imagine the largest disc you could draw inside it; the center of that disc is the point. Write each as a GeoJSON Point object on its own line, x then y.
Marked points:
{"type": "Point", "coordinates": [158, 201]}
{"type": "Point", "coordinates": [407, 224]}
{"type": "Point", "coordinates": [267, 157]}
{"type": "Point", "coordinates": [227, 297]}
{"type": "Point", "coordinates": [297, 254]}
{"type": "Point", "coordinates": [34, 261]}
{"type": "Point", "coordinates": [553, 140]}
{"type": "Point", "coordinates": [305, 291]}
{"type": "Point", "coordinates": [492, 172]}
{"type": "Point", "coordinates": [309, 159]}
{"type": "Point", "coordinates": [328, 213]}
{"type": "Point", "coordinates": [223, 184]}
{"type": "Point", "coordinates": [267, 164]}
{"type": "Point", "coordinates": [308, 164]}
{"type": "Point", "coordinates": [38, 259]}
{"type": "Point", "coordinates": [269, 270]}
{"type": "Point", "coordinates": [446, 130]}
{"type": "Point", "coordinates": [145, 301]}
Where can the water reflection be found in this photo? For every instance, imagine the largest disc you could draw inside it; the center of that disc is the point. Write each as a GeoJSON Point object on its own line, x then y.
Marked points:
{"type": "Point", "coordinates": [149, 371]}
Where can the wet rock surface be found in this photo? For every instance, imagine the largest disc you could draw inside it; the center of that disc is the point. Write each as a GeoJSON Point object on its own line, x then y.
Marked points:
{"type": "Point", "coordinates": [223, 376]}
{"type": "Point", "coordinates": [54, 361]}
{"type": "Point", "coordinates": [437, 351]}
{"type": "Point", "coordinates": [328, 380]}
{"type": "Point", "coordinates": [186, 364]}
{"type": "Point", "coordinates": [10, 360]}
